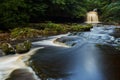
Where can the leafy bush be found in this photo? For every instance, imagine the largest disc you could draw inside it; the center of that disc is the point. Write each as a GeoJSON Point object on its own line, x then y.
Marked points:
{"type": "Point", "coordinates": [55, 27]}
{"type": "Point", "coordinates": [20, 33]}
{"type": "Point", "coordinates": [78, 27]}
{"type": "Point", "coordinates": [48, 29]}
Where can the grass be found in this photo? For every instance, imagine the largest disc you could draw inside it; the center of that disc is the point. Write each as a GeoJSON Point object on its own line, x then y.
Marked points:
{"type": "Point", "coordinates": [22, 33]}
{"type": "Point", "coordinates": [43, 29]}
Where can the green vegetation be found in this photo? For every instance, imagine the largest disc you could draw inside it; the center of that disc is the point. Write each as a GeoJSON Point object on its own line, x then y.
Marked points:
{"type": "Point", "coordinates": [29, 18]}
{"type": "Point", "coordinates": [19, 48]}
{"type": "Point", "coordinates": [77, 27]}
{"type": "Point", "coordinates": [19, 13]}
{"type": "Point", "coordinates": [22, 33]}
{"type": "Point", "coordinates": [41, 29]}
{"type": "Point", "coordinates": [47, 29]}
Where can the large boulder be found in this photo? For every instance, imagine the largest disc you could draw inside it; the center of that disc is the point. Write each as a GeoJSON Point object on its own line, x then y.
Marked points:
{"type": "Point", "coordinates": [7, 48]}
{"type": "Point", "coordinates": [21, 74]}
{"type": "Point", "coordinates": [23, 47]}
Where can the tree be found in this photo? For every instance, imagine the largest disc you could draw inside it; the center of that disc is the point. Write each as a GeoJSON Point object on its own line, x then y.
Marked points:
{"type": "Point", "coordinates": [13, 13]}
{"type": "Point", "coordinates": [109, 12]}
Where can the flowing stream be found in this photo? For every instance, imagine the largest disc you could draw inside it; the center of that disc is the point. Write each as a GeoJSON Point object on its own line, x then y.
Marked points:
{"type": "Point", "coordinates": [92, 55]}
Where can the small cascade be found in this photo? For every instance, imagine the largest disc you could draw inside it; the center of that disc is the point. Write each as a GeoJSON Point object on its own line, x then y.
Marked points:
{"type": "Point", "coordinates": [99, 35]}
{"type": "Point", "coordinates": [92, 17]}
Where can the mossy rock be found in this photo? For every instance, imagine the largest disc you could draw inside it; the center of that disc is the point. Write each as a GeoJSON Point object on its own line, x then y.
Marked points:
{"type": "Point", "coordinates": [7, 49]}
{"type": "Point", "coordinates": [23, 47]}
{"type": "Point", "coordinates": [27, 44]}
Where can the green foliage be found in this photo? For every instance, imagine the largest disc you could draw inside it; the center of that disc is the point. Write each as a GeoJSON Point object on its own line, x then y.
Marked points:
{"type": "Point", "coordinates": [109, 12]}
{"type": "Point", "coordinates": [54, 27]}
{"type": "Point", "coordinates": [18, 13]}
{"type": "Point", "coordinates": [49, 28]}
{"type": "Point", "coordinates": [7, 49]}
{"type": "Point", "coordinates": [36, 8]}
{"type": "Point", "coordinates": [27, 45]}
{"type": "Point", "coordinates": [13, 13]}
{"type": "Point", "coordinates": [107, 9]}
{"type": "Point", "coordinates": [78, 27]}
{"type": "Point", "coordinates": [43, 29]}
{"type": "Point", "coordinates": [22, 33]}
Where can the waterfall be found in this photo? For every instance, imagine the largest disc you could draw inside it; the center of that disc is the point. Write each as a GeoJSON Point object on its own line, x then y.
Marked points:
{"type": "Point", "coordinates": [92, 17]}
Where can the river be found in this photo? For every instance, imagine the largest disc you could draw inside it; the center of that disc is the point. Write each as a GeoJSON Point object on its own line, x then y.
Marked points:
{"type": "Point", "coordinates": [92, 55]}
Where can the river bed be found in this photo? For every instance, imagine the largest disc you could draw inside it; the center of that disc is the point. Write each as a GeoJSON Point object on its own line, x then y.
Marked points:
{"type": "Point", "coordinates": [93, 56]}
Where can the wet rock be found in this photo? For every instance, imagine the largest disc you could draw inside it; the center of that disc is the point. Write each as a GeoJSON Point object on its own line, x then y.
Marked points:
{"type": "Point", "coordinates": [21, 74]}
{"type": "Point", "coordinates": [66, 39]}
{"type": "Point", "coordinates": [116, 33]}
{"type": "Point", "coordinates": [74, 33]}
{"type": "Point", "coordinates": [7, 49]}
{"type": "Point", "coordinates": [23, 47]}
{"type": "Point", "coordinates": [73, 44]}
{"type": "Point", "coordinates": [117, 41]}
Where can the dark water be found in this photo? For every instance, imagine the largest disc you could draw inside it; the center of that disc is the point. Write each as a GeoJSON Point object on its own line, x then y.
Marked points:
{"type": "Point", "coordinates": [82, 63]}
{"type": "Point", "coordinates": [86, 61]}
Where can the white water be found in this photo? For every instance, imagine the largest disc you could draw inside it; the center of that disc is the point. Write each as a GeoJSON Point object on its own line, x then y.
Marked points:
{"type": "Point", "coordinates": [11, 62]}
{"type": "Point", "coordinates": [100, 35]}
{"type": "Point", "coordinates": [8, 64]}
{"type": "Point", "coordinates": [51, 41]}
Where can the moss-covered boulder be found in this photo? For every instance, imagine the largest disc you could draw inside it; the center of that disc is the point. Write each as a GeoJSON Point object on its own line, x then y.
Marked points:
{"type": "Point", "coordinates": [7, 49]}
{"type": "Point", "coordinates": [23, 47]}
{"type": "Point", "coordinates": [27, 45]}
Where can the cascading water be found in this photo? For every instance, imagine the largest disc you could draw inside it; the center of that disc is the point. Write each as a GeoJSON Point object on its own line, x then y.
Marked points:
{"type": "Point", "coordinates": [92, 17]}
{"type": "Point", "coordinates": [85, 60]}
{"type": "Point", "coordinates": [101, 35]}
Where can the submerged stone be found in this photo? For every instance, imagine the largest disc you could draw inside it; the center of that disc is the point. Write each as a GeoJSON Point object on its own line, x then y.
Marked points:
{"type": "Point", "coordinates": [21, 74]}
